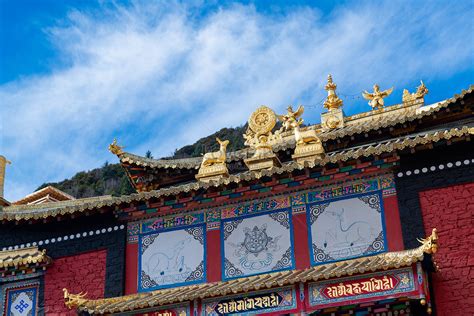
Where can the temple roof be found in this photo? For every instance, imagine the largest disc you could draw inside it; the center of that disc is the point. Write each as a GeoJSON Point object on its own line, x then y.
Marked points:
{"type": "Point", "coordinates": [23, 258]}
{"type": "Point", "coordinates": [376, 126]}
{"type": "Point", "coordinates": [355, 124]}
{"type": "Point", "coordinates": [51, 209]}
{"type": "Point", "coordinates": [44, 195]}
{"type": "Point", "coordinates": [41, 211]}
{"type": "Point", "coordinates": [383, 261]}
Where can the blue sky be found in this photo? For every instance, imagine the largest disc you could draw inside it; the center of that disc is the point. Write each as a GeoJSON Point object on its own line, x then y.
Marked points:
{"type": "Point", "coordinates": [159, 74]}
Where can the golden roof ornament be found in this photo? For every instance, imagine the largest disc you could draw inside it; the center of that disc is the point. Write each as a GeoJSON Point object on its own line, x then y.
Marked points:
{"type": "Point", "coordinates": [115, 149]}
{"type": "Point", "coordinates": [332, 101]}
{"type": "Point", "coordinates": [376, 98]}
{"type": "Point", "coordinates": [291, 119]}
{"type": "Point", "coordinates": [417, 96]}
{"type": "Point", "coordinates": [309, 147]}
{"type": "Point", "coordinates": [213, 166]}
{"type": "Point", "coordinates": [260, 137]}
{"type": "Point", "coordinates": [430, 243]}
{"type": "Point", "coordinates": [74, 300]}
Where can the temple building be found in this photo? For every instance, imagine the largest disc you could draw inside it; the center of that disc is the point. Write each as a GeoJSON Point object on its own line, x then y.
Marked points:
{"type": "Point", "coordinates": [369, 214]}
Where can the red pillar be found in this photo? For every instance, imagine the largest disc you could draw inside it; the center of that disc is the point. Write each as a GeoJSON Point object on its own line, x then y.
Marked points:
{"type": "Point", "coordinates": [301, 248]}
{"type": "Point", "coordinates": [213, 258]}
{"type": "Point", "coordinates": [131, 268]}
{"type": "Point", "coordinates": [393, 228]}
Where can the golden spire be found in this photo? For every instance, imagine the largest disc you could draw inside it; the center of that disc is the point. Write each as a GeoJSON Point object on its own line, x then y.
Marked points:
{"type": "Point", "coordinates": [332, 101]}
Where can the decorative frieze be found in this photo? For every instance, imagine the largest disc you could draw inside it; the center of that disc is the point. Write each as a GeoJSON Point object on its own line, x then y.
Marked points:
{"type": "Point", "coordinates": [65, 238]}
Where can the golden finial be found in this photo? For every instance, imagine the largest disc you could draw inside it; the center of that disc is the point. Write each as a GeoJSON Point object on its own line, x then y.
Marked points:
{"type": "Point", "coordinates": [376, 98]}
{"type": "Point", "coordinates": [74, 300]}
{"type": "Point", "coordinates": [332, 101]}
{"type": "Point", "coordinates": [115, 149]}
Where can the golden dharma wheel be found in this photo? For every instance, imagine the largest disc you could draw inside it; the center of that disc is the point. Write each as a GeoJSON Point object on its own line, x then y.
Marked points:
{"type": "Point", "coordinates": [332, 122]}
{"type": "Point", "coordinates": [263, 120]}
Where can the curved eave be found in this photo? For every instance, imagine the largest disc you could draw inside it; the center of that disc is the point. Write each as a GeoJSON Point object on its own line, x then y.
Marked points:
{"type": "Point", "coordinates": [23, 258]}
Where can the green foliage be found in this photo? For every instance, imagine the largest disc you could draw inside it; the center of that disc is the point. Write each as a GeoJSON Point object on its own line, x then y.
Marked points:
{"type": "Point", "coordinates": [148, 154]}
{"type": "Point", "coordinates": [111, 179]}
{"type": "Point", "coordinates": [208, 143]}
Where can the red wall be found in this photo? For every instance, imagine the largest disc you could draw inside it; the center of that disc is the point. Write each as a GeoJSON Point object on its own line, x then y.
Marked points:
{"type": "Point", "coordinates": [80, 273]}
{"type": "Point", "coordinates": [451, 211]}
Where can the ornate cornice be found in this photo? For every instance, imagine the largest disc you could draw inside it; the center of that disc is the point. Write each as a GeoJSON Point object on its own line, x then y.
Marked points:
{"type": "Point", "coordinates": [31, 212]}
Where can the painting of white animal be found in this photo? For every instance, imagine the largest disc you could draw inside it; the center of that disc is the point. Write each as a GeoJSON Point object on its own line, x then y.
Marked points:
{"type": "Point", "coordinates": [346, 228]}
{"type": "Point", "coordinates": [349, 238]}
{"type": "Point", "coordinates": [164, 264]}
{"type": "Point", "coordinates": [171, 257]}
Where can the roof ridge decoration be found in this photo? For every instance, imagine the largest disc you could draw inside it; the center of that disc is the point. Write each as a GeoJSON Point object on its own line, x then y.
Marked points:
{"type": "Point", "coordinates": [354, 124]}
{"type": "Point", "coordinates": [259, 136]}
{"type": "Point", "coordinates": [334, 117]}
{"type": "Point", "coordinates": [332, 101]}
{"type": "Point", "coordinates": [309, 147]}
{"type": "Point", "coordinates": [416, 97]}
{"type": "Point", "coordinates": [376, 98]}
{"type": "Point", "coordinates": [116, 149]}
{"type": "Point", "coordinates": [213, 166]}
{"type": "Point", "coordinates": [383, 261]}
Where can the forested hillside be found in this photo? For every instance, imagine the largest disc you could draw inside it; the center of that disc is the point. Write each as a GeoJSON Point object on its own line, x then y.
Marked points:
{"type": "Point", "coordinates": [111, 178]}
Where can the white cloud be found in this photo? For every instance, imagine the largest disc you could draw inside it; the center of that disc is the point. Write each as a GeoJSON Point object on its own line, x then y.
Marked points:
{"type": "Point", "coordinates": [160, 78]}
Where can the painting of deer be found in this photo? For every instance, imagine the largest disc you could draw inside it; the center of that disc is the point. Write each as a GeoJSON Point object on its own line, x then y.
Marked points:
{"type": "Point", "coordinates": [345, 234]}
{"type": "Point", "coordinates": [346, 228]}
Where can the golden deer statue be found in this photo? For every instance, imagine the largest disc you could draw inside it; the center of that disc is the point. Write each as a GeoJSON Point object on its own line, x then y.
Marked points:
{"type": "Point", "coordinates": [217, 157]}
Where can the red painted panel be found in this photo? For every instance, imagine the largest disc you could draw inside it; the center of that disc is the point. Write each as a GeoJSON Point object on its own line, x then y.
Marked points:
{"type": "Point", "coordinates": [393, 228]}
{"type": "Point", "coordinates": [213, 260]}
{"type": "Point", "coordinates": [451, 211]}
{"type": "Point", "coordinates": [131, 269]}
{"type": "Point", "coordinates": [301, 248]}
{"type": "Point", "coordinates": [79, 273]}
